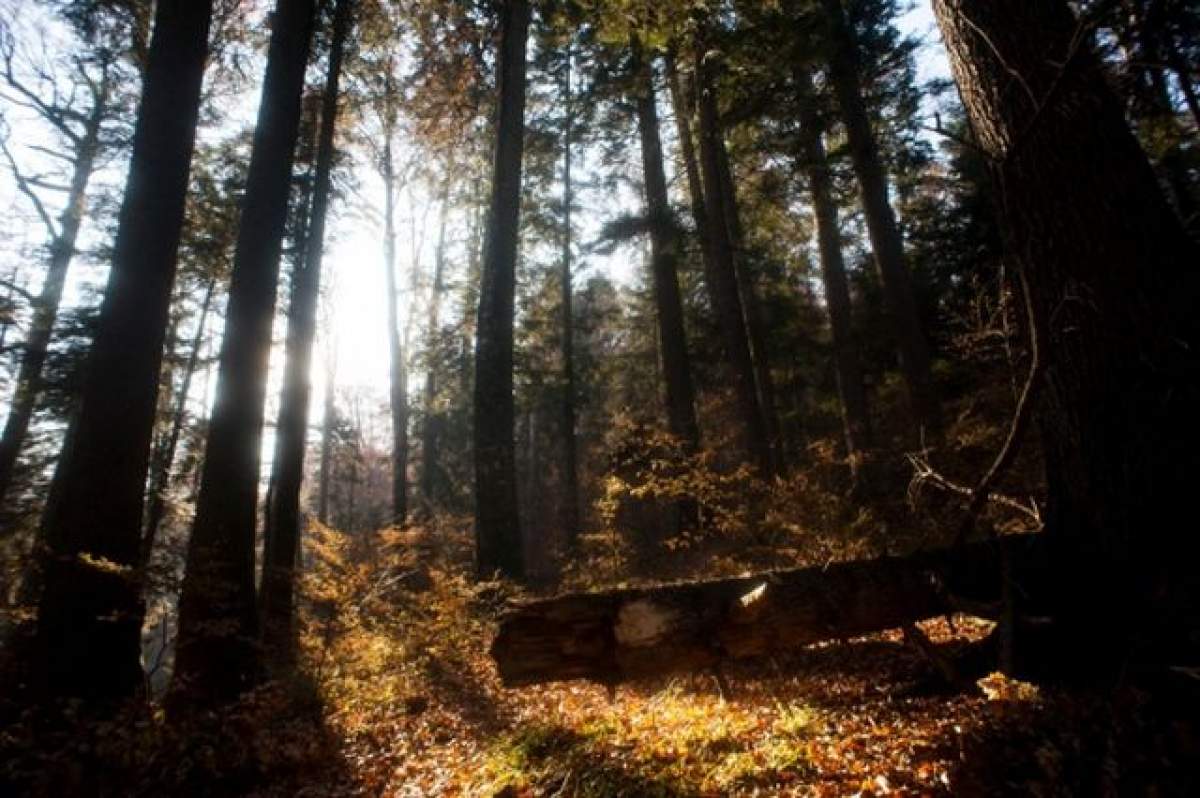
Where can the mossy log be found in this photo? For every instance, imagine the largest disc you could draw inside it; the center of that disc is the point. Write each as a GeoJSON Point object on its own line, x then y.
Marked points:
{"type": "Point", "coordinates": [616, 635]}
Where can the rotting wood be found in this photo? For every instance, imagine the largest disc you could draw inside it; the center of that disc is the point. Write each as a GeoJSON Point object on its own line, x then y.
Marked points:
{"type": "Point", "coordinates": [618, 635]}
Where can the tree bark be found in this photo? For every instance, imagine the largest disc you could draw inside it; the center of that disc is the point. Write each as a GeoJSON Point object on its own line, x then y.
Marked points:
{"type": "Point", "coordinates": [886, 242]}
{"type": "Point", "coordinates": [283, 536]}
{"type": "Point", "coordinates": [570, 508]}
{"type": "Point", "coordinates": [90, 615]}
{"type": "Point", "coordinates": [618, 635]}
{"type": "Point", "coordinates": [855, 416]}
{"type": "Point", "coordinates": [497, 522]}
{"type": "Point", "coordinates": [216, 655]}
{"type": "Point", "coordinates": [1112, 281]}
{"type": "Point", "coordinates": [45, 310]}
{"type": "Point", "coordinates": [664, 258]}
{"type": "Point", "coordinates": [723, 283]}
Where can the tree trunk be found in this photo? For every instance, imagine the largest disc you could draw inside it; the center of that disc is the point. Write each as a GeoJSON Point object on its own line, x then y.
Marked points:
{"type": "Point", "coordinates": [570, 508]}
{"type": "Point", "coordinates": [756, 324]}
{"type": "Point", "coordinates": [90, 616]}
{"type": "Point", "coordinates": [160, 472]}
{"type": "Point", "coordinates": [497, 522]}
{"type": "Point", "coordinates": [1112, 282]}
{"type": "Point", "coordinates": [723, 282]}
{"type": "Point", "coordinates": [687, 149]}
{"type": "Point", "coordinates": [397, 382]}
{"type": "Point", "coordinates": [617, 635]}
{"type": "Point", "coordinates": [217, 613]}
{"type": "Point", "coordinates": [283, 536]}
{"type": "Point", "coordinates": [664, 244]}
{"type": "Point", "coordinates": [45, 309]}
{"type": "Point", "coordinates": [855, 416]}
{"type": "Point", "coordinates": [431, 425]}
{"type": "Point", "coordinates": [886, 242]}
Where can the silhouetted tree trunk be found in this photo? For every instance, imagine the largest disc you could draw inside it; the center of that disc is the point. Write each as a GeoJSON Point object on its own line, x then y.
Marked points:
{"type": "Point", "coordinates": [497, 521]}
{"type": "Point", "coordinates": [90, 615]}
{"type": "Point", "coordinates": [432, 423]}
{"type": "Point", "coordinates": [570, 508]}
{"type": "Point", "coordinates": [160, 471]}
{"type": "Point", "coordinates": [855, 417]}
{"type": "Point", "coordinates": [756, 323]}
{"type": "Point", "coordinates": [283, 535]}
{"type": "Point", "coordinates": [886, 242]}
{"type": "Point", "coordinates": [723, 282]}
{"type": "Point", "coordinates": [397, 373]}
{"type": "Point", "coordinates": [1112, 281]}
{"type": "Point", "coordinates": [664, 243]}
{"type": "Point", "coordinates": [687, 148]}
{"type": "Point", "coordinates": [217, 653]}
{"type": "Point", "coordinates": [61, 249]}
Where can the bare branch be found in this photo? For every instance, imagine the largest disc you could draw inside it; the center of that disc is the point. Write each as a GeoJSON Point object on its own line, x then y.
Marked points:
{"type": "Point", "coordinates": [27, 190]}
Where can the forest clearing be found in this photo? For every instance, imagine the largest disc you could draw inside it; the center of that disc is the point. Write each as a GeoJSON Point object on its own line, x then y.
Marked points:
{"type": "Point", "coordinates": [547, 398]}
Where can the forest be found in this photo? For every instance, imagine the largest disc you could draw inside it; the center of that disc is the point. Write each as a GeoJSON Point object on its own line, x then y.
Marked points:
{"type": "Point", "coordinates": [520, 398]}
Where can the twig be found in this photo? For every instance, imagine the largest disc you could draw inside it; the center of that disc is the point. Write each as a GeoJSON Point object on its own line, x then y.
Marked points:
{"type": "Point", "coordinates": [925, 474]}
{"type": "Point", "coordinates": [1021, 418]}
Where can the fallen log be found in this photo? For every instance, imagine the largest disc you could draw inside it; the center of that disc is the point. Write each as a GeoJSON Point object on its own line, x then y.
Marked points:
{"type": "Point", "coordinates": [617, 635]}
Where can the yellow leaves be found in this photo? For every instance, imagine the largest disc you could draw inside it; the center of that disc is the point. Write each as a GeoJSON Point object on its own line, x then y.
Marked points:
{"type": "Point", "coordinates": [106, 566]}
{"type": "Point", "coordinates": [998, 687]}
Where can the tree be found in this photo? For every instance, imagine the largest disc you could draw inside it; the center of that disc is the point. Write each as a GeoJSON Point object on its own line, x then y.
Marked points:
{"type": "Point", "coordinates": [570, 509]}
{"type": "Point", "coordinates": [724, 287]}
{"type": "Point", "coordinates": [855, 418]}
{"type": "Point", "coordinates": [497, 523]}
{"type": "Point", "coordinates": [283, 533]}
{"type": "Point", "coordinates": [432, 421]}
{"type": "Point", "coordinates": [1110, 278]}
{"type": "Point", "coordinates": [664, 242]}
{"type": "Point", "coordinates": [80, 111]}
{"type": "Point", "coordinates": [886, 242]}
{"type": "Point", "coordinates": [217, 614]}
{"type": "Point", "coordinates": [90, 615]}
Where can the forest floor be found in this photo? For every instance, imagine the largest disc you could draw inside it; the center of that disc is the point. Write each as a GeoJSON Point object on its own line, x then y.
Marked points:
{"type": "Point", "coordinates": [395, 695]}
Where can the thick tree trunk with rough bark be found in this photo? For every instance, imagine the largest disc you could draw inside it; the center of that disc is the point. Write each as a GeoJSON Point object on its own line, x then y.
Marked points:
{"type": "Point", "coordinates": [664, 258]}
{"type": "Point", "coordinates": [723, 283]}
{"type": "Point", "coordinates": [884, 232]}
{"type": "Point", "coordinates": [618, 635]}
{"type": "Point", "coordinates": [283, 533]}
{"type": "Point", "coordinates": [497, 521]}
{"type": "Point", "coordinates": [1114, 288]}
{"type": "Point", "coordinates": [90, 615]}
{"type": "Point", "coordinates": [848, 367]}
{"type": "Point", "coordinates": [217, 655]}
